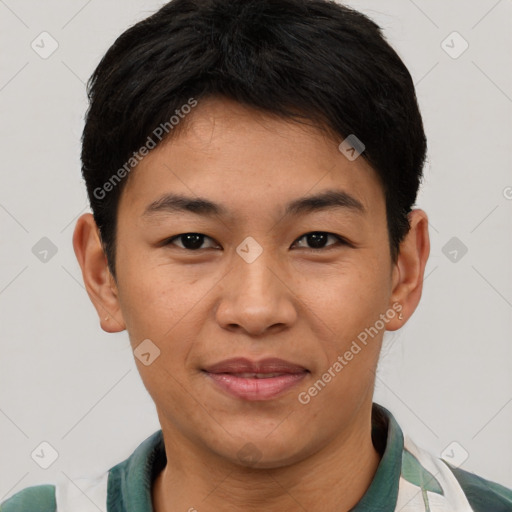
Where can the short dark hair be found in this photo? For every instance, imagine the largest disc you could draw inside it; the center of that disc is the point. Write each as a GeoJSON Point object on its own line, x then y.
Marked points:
{"type": "Point", "coordinates": [303, 60]}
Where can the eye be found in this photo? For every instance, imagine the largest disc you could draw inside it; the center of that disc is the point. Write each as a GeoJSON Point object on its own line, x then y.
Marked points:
{"type": "Point", "coordinates": [318, 240]}
{"type": "Point", "coordinates": [190, 241]}
{"type": "Point", "coordinates": [194, 241]}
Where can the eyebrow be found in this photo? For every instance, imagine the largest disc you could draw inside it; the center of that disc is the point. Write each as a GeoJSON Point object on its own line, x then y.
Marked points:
{"type": "Point", "coordinates": [328, 199]}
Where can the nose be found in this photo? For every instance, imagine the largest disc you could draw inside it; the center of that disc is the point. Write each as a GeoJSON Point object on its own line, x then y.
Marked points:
{"type": "Point", "coordinates": [256, 298]}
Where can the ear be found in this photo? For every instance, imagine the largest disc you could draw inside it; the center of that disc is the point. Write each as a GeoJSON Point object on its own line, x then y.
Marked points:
{"type": "Point", "coordinates": [98, 280]}
{"type": "Point", "coordinates": [408, 272]}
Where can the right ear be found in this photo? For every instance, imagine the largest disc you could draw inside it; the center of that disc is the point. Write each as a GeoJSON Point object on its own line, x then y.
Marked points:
{"type": "Point", "coordinates": [98, 280]}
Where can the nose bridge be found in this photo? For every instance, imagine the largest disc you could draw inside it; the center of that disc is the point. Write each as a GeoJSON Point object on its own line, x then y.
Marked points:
{"type": "Point", "coordinates": [253, 274]}
{"type": "Point", "coordinates": [254, 297]}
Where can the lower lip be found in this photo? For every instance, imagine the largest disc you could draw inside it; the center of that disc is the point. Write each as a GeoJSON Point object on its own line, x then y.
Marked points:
{"type": "Point", "coordinates": [256, 389]}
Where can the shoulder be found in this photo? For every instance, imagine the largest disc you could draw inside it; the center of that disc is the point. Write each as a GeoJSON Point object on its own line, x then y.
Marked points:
{"type": "Point", "coordinates": [126, 483]}
{"type": "Point", "coordinates": [39, 498]}
{"type": "Point", "coordinates": [459, 488]}
{"type": "Point", "coordinates": [482, 494]}
{"type": "Point", "coordinates": [77, 495]}
{"type": "Point", "coordinates": [66, 495]}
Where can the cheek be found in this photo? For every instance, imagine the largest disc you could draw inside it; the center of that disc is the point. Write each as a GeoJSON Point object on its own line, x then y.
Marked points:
{"type": "Point", "coordinates": [348, 297]}
{"type": "Point", "coordinates": [162, 306]}
{"type": "Point", "coordinates": [347, 309]}
{"type": "Point", "coordinates": [156, 299]}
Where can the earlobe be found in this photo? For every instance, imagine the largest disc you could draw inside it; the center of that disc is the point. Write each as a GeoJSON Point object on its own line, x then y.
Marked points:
{"type": "Point", "coordinates": [409, 270]}
{"type": "Point", "coordinates": [98, 280]}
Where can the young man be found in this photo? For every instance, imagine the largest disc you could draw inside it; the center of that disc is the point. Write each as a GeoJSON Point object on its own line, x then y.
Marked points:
{"type": "Point", "coordinates": [252, 168]}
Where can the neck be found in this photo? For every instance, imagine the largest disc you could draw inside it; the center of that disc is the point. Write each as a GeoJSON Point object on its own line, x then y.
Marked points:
{"type": "Point", "coordinates": [334, 478]}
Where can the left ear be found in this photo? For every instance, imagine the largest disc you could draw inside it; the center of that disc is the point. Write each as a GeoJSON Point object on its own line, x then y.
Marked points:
{"type": "Point", "coordinates": [408, 273]}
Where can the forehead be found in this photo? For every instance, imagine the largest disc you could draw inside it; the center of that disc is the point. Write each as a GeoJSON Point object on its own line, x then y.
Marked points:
{"type": "Point", "coordinates": [239, 157]}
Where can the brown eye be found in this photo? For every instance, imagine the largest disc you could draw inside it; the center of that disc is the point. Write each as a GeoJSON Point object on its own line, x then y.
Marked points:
{"type": "Point", "coordinates": [319, 239]}
{"type": "Point", "coordinates": [190, 241]}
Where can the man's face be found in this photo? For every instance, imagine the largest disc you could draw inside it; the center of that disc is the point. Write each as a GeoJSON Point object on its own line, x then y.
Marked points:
{"type": "Point", "coordinates": [280, 294]}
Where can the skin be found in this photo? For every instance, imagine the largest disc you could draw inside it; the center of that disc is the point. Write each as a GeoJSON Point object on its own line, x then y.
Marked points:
{"type": "Point", "coordinates": [294, 302]}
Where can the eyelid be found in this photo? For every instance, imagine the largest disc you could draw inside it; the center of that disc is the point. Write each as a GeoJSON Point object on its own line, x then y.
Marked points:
{"type": "Point", "coordinates": [170, 240]}
{"type": "Point", "coordinates": [340, 241]}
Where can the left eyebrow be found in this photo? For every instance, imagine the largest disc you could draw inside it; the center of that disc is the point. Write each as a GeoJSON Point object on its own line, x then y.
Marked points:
{"type": "Point", "coordinates": [328, 199]}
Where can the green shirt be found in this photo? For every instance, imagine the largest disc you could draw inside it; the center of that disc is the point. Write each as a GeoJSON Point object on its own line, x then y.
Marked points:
{"type": "Point", "coordinates": [407, 479]}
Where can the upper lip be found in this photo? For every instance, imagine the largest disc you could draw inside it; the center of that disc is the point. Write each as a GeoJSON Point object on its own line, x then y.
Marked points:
{"type": "Point", "coordinates": [243, 365]}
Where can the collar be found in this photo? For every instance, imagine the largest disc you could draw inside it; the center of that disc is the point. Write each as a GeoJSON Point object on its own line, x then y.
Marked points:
{"type": "Point", "coordinates": [382, 494]}
{"type": "Point", "coordinates": [130, 481]}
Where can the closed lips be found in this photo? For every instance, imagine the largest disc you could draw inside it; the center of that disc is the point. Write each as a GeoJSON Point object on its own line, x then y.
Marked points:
{"type": "Point", "coordinates": [255, 380]}
{"type": "Point", "coordinates": [257, 375]}
{"type": "Point", "coordinates": [266, 368]}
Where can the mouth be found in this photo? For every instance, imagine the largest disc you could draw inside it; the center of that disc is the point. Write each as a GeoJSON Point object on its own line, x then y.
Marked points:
{"type": "Point", "coordinates": [255, 380]}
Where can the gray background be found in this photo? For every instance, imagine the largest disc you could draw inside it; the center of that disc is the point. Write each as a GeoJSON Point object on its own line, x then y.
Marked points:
{"type": "Point", "coordinates": [446, 375]}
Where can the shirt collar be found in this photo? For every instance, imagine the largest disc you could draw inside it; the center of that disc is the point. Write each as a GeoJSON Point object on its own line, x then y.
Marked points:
{"type": "Point", "coordinates": [382, 494]}
{"type": "Point", "coordinates": [130, 481]}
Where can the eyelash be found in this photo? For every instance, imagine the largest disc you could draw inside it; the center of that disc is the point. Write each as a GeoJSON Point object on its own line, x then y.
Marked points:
{"type": "Point", "coordinates": [340, 241]}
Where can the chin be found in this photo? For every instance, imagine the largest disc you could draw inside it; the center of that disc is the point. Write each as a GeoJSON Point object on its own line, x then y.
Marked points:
{"type": "Point", "coordinates": [259, 451]}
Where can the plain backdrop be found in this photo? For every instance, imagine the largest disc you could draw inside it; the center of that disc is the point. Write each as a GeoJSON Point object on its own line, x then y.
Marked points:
{"type": "Point", "coordinates": [446, 376]}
